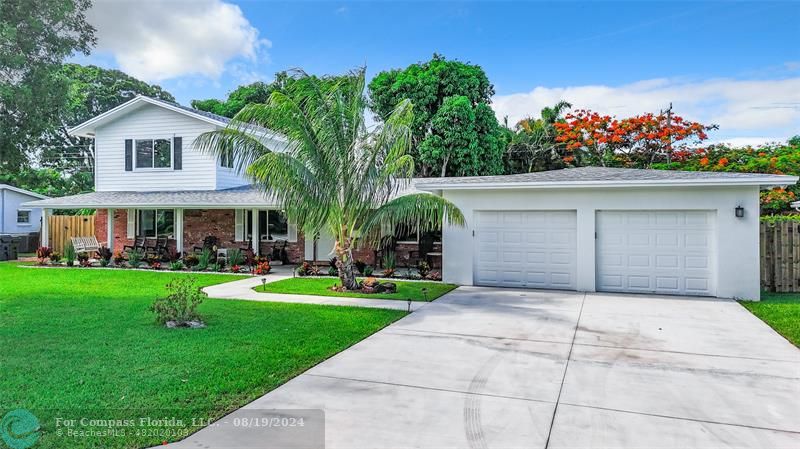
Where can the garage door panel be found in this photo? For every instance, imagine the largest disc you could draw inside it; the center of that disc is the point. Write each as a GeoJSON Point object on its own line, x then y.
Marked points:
{"type": "Point", "coordinates": [667, 252]}
{"type": "Point", "coordinates": [534, 249]}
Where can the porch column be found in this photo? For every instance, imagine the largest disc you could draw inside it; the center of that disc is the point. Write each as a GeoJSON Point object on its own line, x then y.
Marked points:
{"type": "Point", "coordinates": [110, 229]}
{"type": "Point", "coordinates": [45, 232]}
{"type": "Point", "coordinates": [256, 242]}
{"type": "Point", "coordinates": [179, 231]}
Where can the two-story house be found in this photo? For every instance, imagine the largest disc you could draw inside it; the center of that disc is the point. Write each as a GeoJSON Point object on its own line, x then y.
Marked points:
{"type": "Point", "coordinates": [585, 229]}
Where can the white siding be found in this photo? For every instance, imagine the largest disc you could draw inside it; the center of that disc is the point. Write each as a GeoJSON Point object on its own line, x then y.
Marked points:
{"type": "Point", "coordinates": [9, 204]}
{"type": "Point", "coordinates": [736, 239]}
{"type": "Point", "coordinates": [199, 172]}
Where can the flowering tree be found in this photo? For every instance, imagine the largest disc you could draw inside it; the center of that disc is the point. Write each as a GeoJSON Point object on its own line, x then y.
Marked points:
{"type": "Point", "coordinates": [594, 139]}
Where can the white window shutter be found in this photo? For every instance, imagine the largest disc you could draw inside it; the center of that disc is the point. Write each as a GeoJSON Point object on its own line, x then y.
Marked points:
{"type": "Point", "coordinates": [292, 227]}
{"type": "Point", "coordinates": [131, 223]}
{"type": "Point", "coordinates": [238, 229]}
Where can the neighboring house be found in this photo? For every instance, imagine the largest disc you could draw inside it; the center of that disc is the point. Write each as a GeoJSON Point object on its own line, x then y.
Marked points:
{"type": "Point", "coordinates": [15, 217]}
{"type": "Point", "coordinates": [586, 229]}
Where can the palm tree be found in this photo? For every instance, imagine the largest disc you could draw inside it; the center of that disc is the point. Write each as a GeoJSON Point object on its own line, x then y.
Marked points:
{"type": "Point", "coordinates": [332, 174]}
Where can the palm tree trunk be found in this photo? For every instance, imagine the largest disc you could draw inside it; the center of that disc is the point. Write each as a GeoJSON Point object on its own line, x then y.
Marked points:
{"type": "Point", "coordinates": [344, 263]}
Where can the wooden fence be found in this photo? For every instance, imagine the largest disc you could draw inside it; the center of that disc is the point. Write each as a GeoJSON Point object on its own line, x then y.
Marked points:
{"type": "Point", "coordinates": [62, 227]}
{"type": "Point", "coordinates": [780, 256]}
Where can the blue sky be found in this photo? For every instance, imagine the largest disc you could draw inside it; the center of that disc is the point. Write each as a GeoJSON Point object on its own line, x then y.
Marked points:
{"type": "Point", "coordinates": [733, 63]}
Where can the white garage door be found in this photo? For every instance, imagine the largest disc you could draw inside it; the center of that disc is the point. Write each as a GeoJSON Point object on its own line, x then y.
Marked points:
{"type": "Point", "coordinates": [669, 252]}
{"type": "Point", "coordinates": [533, 249]}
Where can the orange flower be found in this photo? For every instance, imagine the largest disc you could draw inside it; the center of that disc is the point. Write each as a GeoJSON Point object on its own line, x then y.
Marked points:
{"type": "Point", "coordinates": [762, 154]}
{"type": "Point", "coordinates": [704, 161]}
{"type": "Point", "coordinates": [723, 162]}
{"type": "Point", "coordinates": [569, 159]}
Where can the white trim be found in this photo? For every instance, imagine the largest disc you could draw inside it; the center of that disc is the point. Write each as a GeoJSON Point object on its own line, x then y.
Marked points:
{"type": "Point", "coordinates": [131, 223]}
{"type": "Point", "coordinates": [110, 228]}
{"type": "Point", "coordinates": [45, 231]}
{"type": "Point", "coordinates": [78, 129]}
{"type": "Point", "coordinates": [134, 157]}
{"type": "Point", "coordinates": [23, 191]}
{"type": "Point", "coordinates": [764, 181]}
{"type": "Point", "coordinates": [24, 223]}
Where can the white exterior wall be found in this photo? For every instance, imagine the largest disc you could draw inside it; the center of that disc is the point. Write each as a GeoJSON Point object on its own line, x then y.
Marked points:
{"type": "Point", "coordinates": [737, 239]}
{"type": "Point", "coordinates": [10, 202]}
{"type": "Point", "coordinates": [200, 171]}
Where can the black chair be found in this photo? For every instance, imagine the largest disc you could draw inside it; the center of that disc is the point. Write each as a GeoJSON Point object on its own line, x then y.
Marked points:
{"type": "Point", "coordinates": [138, 244]}
{"type": "Point", "coordinates": [209, 242]}
{"type": "Point", "coordinates": [159, 247]}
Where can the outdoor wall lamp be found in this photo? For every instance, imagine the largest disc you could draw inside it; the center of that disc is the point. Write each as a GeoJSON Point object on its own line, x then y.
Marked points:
{"type": "Point", "coordinates": [739, 211]}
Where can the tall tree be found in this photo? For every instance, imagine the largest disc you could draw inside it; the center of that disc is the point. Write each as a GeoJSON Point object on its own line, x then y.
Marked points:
{"type": "Point", "coordinates": [91, 91]}
{"type": "Point", "coordinates": [333, 175]}
{"type": "Point", "coordinates": [35, 37]}
{"type": "Point", "coordinates": [428, 86]}
{"type": "Point", "coordinates": [533, 146]}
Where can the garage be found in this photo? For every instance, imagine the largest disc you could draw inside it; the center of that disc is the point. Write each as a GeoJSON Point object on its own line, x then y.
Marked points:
{"type": "Point", "coordinates": [530, 249]}
{"type": "Point", "coordinates": [656, 251]}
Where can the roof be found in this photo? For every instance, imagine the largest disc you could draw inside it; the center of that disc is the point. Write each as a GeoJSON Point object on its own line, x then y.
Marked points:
{"type": "Point", "coordinates": [22, 191]}
{"type": "Point", "coordinates": [604, 177]}
{"type": "Point", "coordinates": [238, 197]}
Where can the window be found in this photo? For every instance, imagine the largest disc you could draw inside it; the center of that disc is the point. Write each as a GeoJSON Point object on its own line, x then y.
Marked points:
{"type": "Point", "coordinates": [153, 153]}
{"type": "Point", "coordinates": [156, 223]}
{"type": "Point", "coordinates": [23, 217]}
{"type": "Point", "coordinates": [272, 225]}
{"type": "Point", "coordinates": [226, 159]}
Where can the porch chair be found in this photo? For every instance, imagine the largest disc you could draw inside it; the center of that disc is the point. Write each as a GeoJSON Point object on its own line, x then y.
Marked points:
{"type": "Point", "coordinates": [138, 244]}
{"type": "Point", "coordinates": [158, 248]}
{"type": "Point", "coordinates": [209, 242]}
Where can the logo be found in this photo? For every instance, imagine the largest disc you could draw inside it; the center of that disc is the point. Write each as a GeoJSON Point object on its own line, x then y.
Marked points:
{"type": "Point", "coordinates": [19, 429]}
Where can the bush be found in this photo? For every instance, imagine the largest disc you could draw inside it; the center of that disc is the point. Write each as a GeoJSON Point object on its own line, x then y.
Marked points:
{"type": "Point", "coordinates": [780, 218]}
{"type": "Point", "coordinates": [69, 254]}
{"type": "Point", "coordinates": [368, 270]}
{"type": "Point", "coordinates": [389, 264]}
{"type": "Point", "coordinates": [105, 255]}
{"type": "Point", "coordinates": [180, 304]}
{"type": "Point", "coordinates": [434, 276]}
{"type": "Point", "coordinates": [190, 260]}
{"type": "Point", "coordinates": [55, 257]}
{"type": "Point", "coordinates": [304, 269]}
{"type": "Point", "coordinates": [176, 265]}
{"type": "Point", "coordinates": [204, 259]}
{"type": "Point", "coordinates": [119, 258]}
{"type": "Point", "coordinates": [262, 268]}
{"type": "Point", "coordinates": [43, 253]}
{"type": "Point", "coordinates": [235, 257]}
{"type": "Point", "coordinates": [135, 257]}
{"type": "Point", "coordinates": [83, 259]}
{"type": "Point", "coordinates": [360, 266]}
{"type": "Point", "coordinates": [423, 268]}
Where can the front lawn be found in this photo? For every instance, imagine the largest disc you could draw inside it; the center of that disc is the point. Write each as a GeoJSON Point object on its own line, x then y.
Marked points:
{"type": "Point", "coordinates": [781, 311]}
{"type": "Point", "coordinates": [322, 287]}
{"type": "Point", "coordinates": [80, 342]}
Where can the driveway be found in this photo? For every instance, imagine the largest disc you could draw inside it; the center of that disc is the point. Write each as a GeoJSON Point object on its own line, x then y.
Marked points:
{"type": "Point", "coordinates": [501, 368]}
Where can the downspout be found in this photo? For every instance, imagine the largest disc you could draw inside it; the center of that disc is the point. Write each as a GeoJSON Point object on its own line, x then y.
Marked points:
{"type": "Point", "coordinates": [3, 211]}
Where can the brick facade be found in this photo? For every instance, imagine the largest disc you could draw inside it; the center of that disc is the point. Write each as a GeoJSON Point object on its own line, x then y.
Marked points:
{"type": "Point", "coordinates": [200, 223]}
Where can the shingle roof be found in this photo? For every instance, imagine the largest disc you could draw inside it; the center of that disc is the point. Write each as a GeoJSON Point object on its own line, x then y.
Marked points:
{"type": "Point", "coordinates": [591, 176]}
{"type": "Point", "coordinates": [206, 114]}
{"type": "Point", "coordinates": [238, 197]}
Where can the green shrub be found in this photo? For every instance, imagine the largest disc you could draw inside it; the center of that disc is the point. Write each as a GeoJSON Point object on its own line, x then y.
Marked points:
{"type": "Point", "coordinates": [368, 270]}
{"type": "Point", "coordinates": [69, 254]}
{"type": "Point", "coordinates": [235, 257]}
{"type": "Point", "coordinates": [204, 260]}
{"type": "Point", "coordinates": [135, 257]}
{"type": "Point", "coordinates": [176, 266]}
{"type": "Point", "coordinates": [780, 218]}
{"type": "Point", "coordinates": [180, 304]}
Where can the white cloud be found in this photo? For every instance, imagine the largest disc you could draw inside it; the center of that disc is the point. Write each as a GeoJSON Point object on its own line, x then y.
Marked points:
{"type": "Point", "coordinates": [155, 41]}
{"type": "Point", "coordinates": [758, 110]}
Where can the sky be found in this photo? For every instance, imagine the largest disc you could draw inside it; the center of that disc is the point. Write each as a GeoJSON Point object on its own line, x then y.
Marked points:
{"type": "Point", "coordinates": [734, 64]}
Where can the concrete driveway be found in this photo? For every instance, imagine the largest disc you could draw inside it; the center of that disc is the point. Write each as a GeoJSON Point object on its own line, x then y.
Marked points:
{"type": "Point", "coordinates": [500, 368]}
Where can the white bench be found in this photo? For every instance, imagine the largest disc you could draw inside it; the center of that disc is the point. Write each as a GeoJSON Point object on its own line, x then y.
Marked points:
{"type": "Point", "coordinates": [85, 244]}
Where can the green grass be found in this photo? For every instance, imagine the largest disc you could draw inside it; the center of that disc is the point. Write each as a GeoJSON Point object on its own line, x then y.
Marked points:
{"type": "Point", "coordinates": [781, 311]}
{"type": "Point", "coordinates": [81, 342]}
{"type": "Point", "coordinates": [322, 287]}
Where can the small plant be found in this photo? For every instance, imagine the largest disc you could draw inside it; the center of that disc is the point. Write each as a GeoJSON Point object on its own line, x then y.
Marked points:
{"type": "Point", "coordinates": [119, 258]}
{"type": "Point", "coordinates": [434, 276]}
{"type": "Point", "coordinates": [333, 271]}
{"type": "Point", "coordinates": [179, 307]}
{"type": "Point", "coordinates": [176, 265]}
{"type": "Point", "coordinates": [55, 257]}
{"type": "Point", "coordinates": [105, 255]}
{"type": "Point", "coordinates": [217, 267]}
{"type": "Point", "coordinates": [423, 268]}
{"type": "Point", "coordinates": [83, 259]}
{"type": "Point", "coordinates": [236, 269]}
{"type": "Point", "coordinates": [360, 266]}
{"type": "Point", "coordinates": [368, 270]}
{"type": "Point", "coordinates": [315, 271]}
{"type": "Point", "coordinates": [172, 255]}
{"type": "Point", "coordinates": [69, 254]}
{"type": "Point", "coordinates": [370, 282]}
{"type": "Point", "coordinates": [262, 268]}
{"type": "Point", "coordinates": [135, 257]}
{"type": "Point", "coordinates": [304, 269]}
{"type": "Point", "coordinates": [204, 259]}
{"type": "Point", "coordinates": [155, 265]}
{"type": "Point", "coordinates": [389, 264]}
{"type": "Point", "coordinates": [190, 260]}
{"type": "Point", "coordinates": [43, 253]}
{"type": "Point", "coordinates": [235, 257]}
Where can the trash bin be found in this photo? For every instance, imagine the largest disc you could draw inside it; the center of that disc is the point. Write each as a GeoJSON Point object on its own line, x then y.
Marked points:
{"type": "Point", "coordinates": [12, 251]}
{"type": "Point", "coordinates": [5, 247]}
